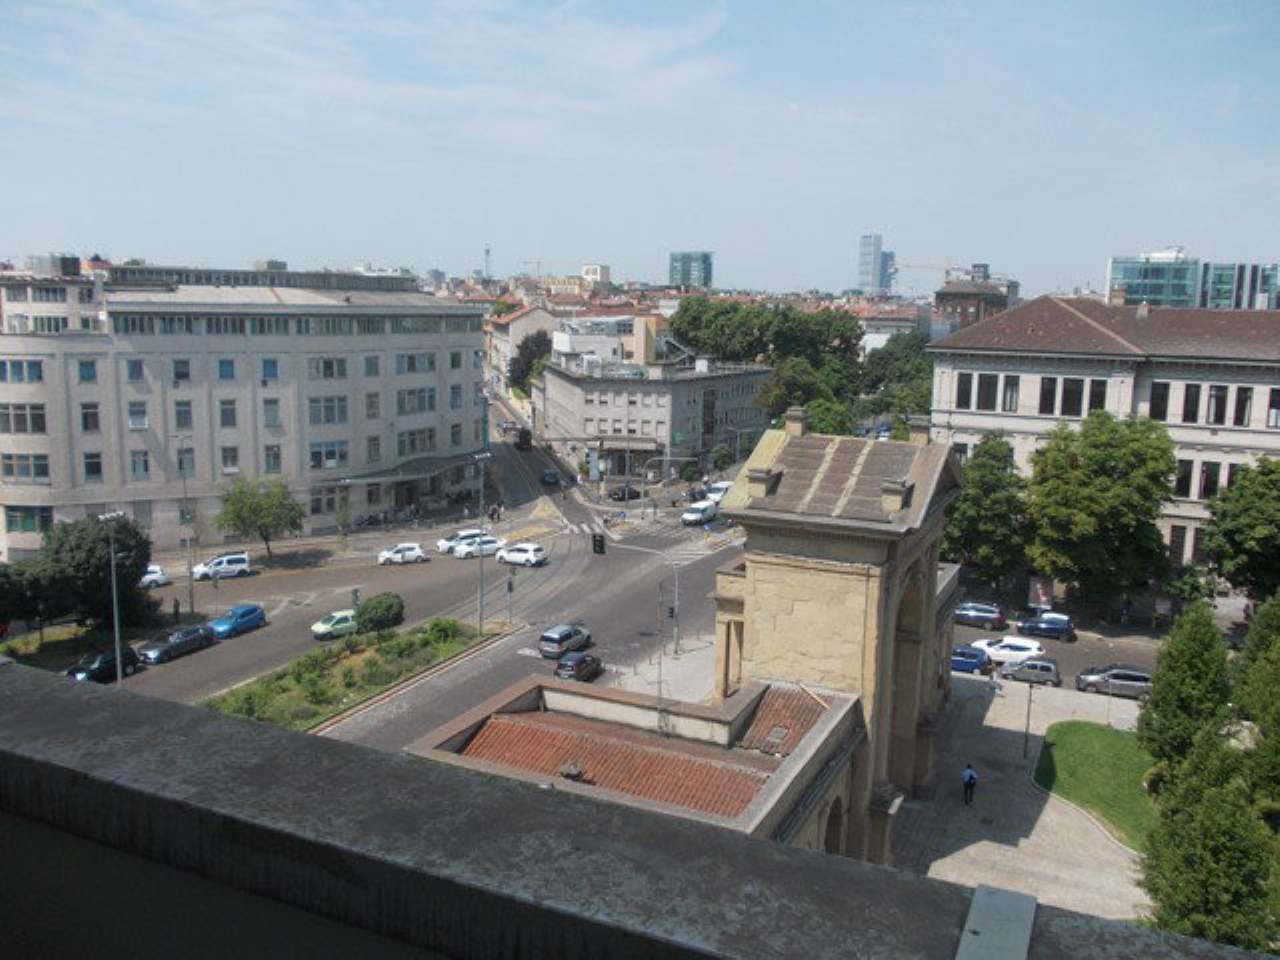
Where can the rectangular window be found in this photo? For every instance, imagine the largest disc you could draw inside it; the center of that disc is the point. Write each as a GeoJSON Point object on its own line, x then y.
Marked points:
{"type": "Point", "coordinates": [327, 368]}
{"type": "Point", "coordinates": [372, 406]}
{"type": "Point", "coordinates": [987, 387]}
{"type": "Point", "coordinates": [455, 359]}
{"type": "Point", "coordinates": [21, 371]}
{"type": "Point", "coordinates": [327, 410]}
{"type": "Point", "coordinates": [137, 414]}
{"type": "Point", "coordinates": [455, 397]}
{"type": "Point", "coordinates": [270, 368]}
{"type": "Point", "coordinates": [226, 369]}
{"type": "Point", "coordinates": [1244, 406]}
{"type": "Point", "coordinates": [28, 519]}
{"type": "Point", "coordinates": [1177, 544]}
{"type": "Point", "coordinates": [964, 391]}
{"type": "Point", "coordinates": [1197, 546]}
{"type": "Point", "coordinates": [1209, 475]}
{"type": "Point", "coordinates": [328, 454]}
{"type": "Point", "coordinates": [88, 371]}
{"type": "Point", "coordinates": [477, 359]}
{"type": "Point", "coordinates": [1216, 415]}
{"type": "Point", "coordinates": [181, 371]}
{"type": "Point", "coordinates": [1160, 403]}
{"type": "Point", "coordinates": [226, 413]}
{"type": "Point", "coordinates": [139, 465]}
{"type": "Point", "coordinates": [1072, 396]}
{"type": "Point", "coordinates": [24, 467]}
{"type": "Point", "coordinates": [455, 435]}
{"type": "Point", "coordinates": [1182, 481]}
{"type": "Point", "coordinates": [371, 366]}
{"type": "Point", "coordinates": [270, 412]}
{"type": "Point", "coordinates": [415, 362]}
{"type": "Point", "coordinates": [1048, 396]}
{"type": "Point", "coordinates": [133, 371]}
{"type": "Point", "coordinates": [410, 442]}
{"type": "Point", "coordinates": [186, 461]}
{"type": "Point", "coordinates": [1097, 395]}
{"type": "Point", "coordinates": [182, 414]}
{"type": "Point", "coordinates": [373, 452]}
{"type": "Point", "coordinates": [271, 459]}
{"type": "Point", "coordinates": [1232, 470]}
{"type": "Point", "coordinates": [1191, 403]}
{"type": "Point", "coordinates": [22, 418]}
{"type": "Point", "coordinates": [1273, 409]}
{"type": "Point", "coordinates": [230, 459]}
{"type": "Point", "coordinates": [93, 468]}
{"type": "Point", "coordinates": [49, 295]}
{"type": "Point", "coordinates": [1009, 400]}
{"type": "Point", "coordinates": [89, 421]}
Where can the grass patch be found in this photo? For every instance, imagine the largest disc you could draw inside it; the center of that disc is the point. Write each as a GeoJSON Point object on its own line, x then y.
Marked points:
{"type": "Point", "coordinates": [519, 393]}
{"type": "Point", "coordinates": [342, 674]}
{"type": "Point", "coordinates": [1101, 769]}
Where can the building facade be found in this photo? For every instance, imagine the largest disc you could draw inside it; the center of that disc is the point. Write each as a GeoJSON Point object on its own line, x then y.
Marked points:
{"type": "Point", "coordinates": [692, 269]}
{"type": "Point", "coordinates": [1212, 377]}
{"type": "Point", "coordinates": [151, 399]}
{"type": "Point", "coordinates": [1169, 278]}
{"type": "Point", "coordinates": [877, 266]}
{"type": "Point", "coordinates": [503, 335]}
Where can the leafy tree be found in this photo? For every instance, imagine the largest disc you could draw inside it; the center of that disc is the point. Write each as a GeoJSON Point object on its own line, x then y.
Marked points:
{"type": "Point", "coordinates": [987, 526]}
{"type": "Point", "coordinates": [901, 360]}
{"type": "Point", "coordinates": [73, 568]}
{"type": "Point", "coordinates": [260, 508]}
{"type": "Point", "coordinates": [1264, 631]}
{"type": "Point", "coordinates": [1189, 585]}
{"type": "Point", "coordinates": [1189, 687]}
{"type": "Point", "coordinates": [901, 430]}
{"type": "Point", "coordinates": [1211, 871]}
{"type": "Point", "coordinates": [1093, 501]}
{"type": "Point", "coordinates": [534, 347]}
{"type": "Point", "coordinates": [1242, 537]}
{"type": "Point", "coordinates": [382, 611]}
{"type": "Point", "coordinates": [1258, 687]}
{"type": "Point", "coordinates": [793, 383]}
{"type": "Point", "coordinates": [503, 307]}
{"type": "Point", "coordinates": [829, 416]}
{"type": "Point", "coordinates": [721, 457]}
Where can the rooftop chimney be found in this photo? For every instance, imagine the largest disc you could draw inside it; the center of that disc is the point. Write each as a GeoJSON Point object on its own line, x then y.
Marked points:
{"type": "Point", "coordinates": [761, 481]}
{"type": "Point", "coordinates": [796, 421]}
{"type": "Point", "coordinates": [895, 495]}
{"type": "Point", "coordinates": [1144, 310]}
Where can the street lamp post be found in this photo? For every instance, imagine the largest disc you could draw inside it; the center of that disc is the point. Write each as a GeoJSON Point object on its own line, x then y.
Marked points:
{"type": "Point", "coordinates": [480, 459]}
{"type": "Point", "coordinates": [186, 505]}
{"type": "Point", "coordinates": [110, 520]}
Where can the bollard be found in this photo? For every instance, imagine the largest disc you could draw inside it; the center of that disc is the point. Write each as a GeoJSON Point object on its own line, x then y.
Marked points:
{"type": "Point", "coordinates": [177, 611]}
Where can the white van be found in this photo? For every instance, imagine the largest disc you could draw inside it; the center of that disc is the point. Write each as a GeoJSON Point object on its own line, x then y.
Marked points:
{"type": "Point", "coordinates": [222, 566]}
{"type": "Point", "coordinates": [717, 490]}
{"type": "Point", "coordinates": [704, 511]}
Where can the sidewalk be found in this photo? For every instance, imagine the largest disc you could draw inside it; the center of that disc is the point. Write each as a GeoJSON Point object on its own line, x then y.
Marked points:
{"type": "Point", "coordinates": [686, 676]}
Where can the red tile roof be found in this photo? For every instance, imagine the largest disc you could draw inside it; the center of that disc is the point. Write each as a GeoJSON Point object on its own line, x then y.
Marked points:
{"type": "Point", "coordinates": [783, 716]}
{"type": "Point", "coordinates": [506, 318]}
{"type": "Point", "coordinates": [661, 769]}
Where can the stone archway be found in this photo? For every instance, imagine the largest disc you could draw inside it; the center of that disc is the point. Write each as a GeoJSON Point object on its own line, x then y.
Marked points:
{"type": "Point", "coordinates": [908, 666]}
{"type": "Point", "coordinates": [833, 841]}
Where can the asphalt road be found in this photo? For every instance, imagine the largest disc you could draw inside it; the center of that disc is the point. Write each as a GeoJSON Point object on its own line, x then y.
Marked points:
{"type": "Point", "coordinates": [1088, 651]}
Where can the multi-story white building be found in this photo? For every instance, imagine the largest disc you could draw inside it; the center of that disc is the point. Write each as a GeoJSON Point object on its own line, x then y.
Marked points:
{"type": "Point", "coordinates": [1212, 376]}
{"type": "Point", "coordinates": [151, 398]}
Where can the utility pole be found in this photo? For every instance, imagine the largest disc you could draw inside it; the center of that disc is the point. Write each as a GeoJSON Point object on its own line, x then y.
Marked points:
{"type": "Point", "coordinates": [191, 523]}
{"type": "Point", "coordinates": [1026, 730]}
{"type": "Point", "coordinates": [480, 459]}
{"type": "Point", "coordinates": [110, 520]}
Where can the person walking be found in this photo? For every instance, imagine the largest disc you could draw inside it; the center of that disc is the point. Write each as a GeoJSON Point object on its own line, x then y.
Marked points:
{"type": "Point", "coordinates": [969, 780]}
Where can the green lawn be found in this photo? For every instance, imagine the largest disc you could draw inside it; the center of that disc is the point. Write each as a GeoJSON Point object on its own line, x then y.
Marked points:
{"type": "Point", "coordinates": [1101, 769]}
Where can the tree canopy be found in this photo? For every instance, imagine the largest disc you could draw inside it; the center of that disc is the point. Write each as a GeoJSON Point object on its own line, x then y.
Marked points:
{"type": "Point", "coordinates": [1093, 501]}
{"type": "Point", "coordinates": [260, 508]}
{"type": "Point", "coordinates": [1242, 537]}
{"type": "Point", "coordinates": [987, 524]}
{"type": "Point", "coordinates": [530, 353]}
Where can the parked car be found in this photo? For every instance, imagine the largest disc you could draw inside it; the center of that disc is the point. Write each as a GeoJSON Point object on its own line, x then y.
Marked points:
{"type": "Point", "coordinates": [524, 439]}
{"type": "Point", "coordinates": [562, 639]}
{"type": "Point", "coordinates": [1116, 679]}
{"type": "Point", "coordinates": [717, 490]}
{"type": "Point", "coordinates": [579, 666]}
{"type": "Point", "coordinates": [176, 644]}
{"type": "Point", "coordinates": [239, 619]}
{"type": "Point", "coordinates": [485, 546]}
{"type": "Point", "coordinates": [403, 553]}
{"type": "Point", "coordinates": [624, 493]}
{"type": "Point", "coordinates": [154, 577]}
{"type": "Point", "coordinates": [507, 426]}
{"type": "Point", "coordinates": [985, 615]}
{"type": "Point", "coordinates": [1012, 650]}
{"type": "Point", "coordinates": [1043, 670]}
{"type": "Point", "coordinates": [550, 478]}
{"type": "Point", "coordinates": [1056, 626]}
{"type": "Point", "coordinates": [522, 555]}
{"type": "Point", "coordinates": [704, 511]}
{"type": "Point", "coordinates": [450, 543]}
{"type": "Point", "coordinates": [337, 624]}
{"type": "Point", "coordinates": [222, 566]}
{"type": "Point", "coordinates": [969, 659]}
{"type": "Point", "coordinates": [100, 666]}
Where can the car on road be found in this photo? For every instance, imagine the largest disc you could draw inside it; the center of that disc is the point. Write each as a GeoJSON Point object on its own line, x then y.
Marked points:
{"type": "Point", "coordinates": [480, 547]}
{"type": "Point", "coordinates": [717, 490]}
{"type": "Point", "coordinates": [1041, 670]}
{"type": "Point", "coordinates": [403, 553]}
{"type": "Point", "coordinates": [176, 644]}
{"type": "Point", "coordinates": [985, 615]}
{"type": "Point", "coordinates": [704, 511]}
{"type": "Point", "coordinates": [100, 665]}
{"type": "Point", "coordinates": [337, 624]}
{"type": "Point", "coordinates": [507, 426]}
{"type": "Point", "coordinates": [154, 577]}
{"type": "Point", "coordinates": [222, 566]}
{"type": "Point", "coordinates": [969, 659]}
{"type": "Point", "coordinates": [624, 493]}
{"type": "Point", "coordinates": [522, 555]}
{"type": "Point", "coordinates": [1012, 650]}
{"type": "Point", "coordinates": [452, 542]}
{"type": "Point", "coordinates": [524, 439]}
{"type": "Point", "coordinates": [1055, 626]}
{"type": "Point", "coordinates": [241, 618]}
{"type": "Point", "coordinates": [550, 478]}
{"type": "Point", "coordinates": [579, 666]}
{"type": "Point", "coordinates": [563, 638]}
{"type": "Point", "coordinates": [1116, 679]}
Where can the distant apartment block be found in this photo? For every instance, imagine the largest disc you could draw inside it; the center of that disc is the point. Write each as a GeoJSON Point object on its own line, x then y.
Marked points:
{"type": "Point", "coordinates": [1170, 278]}
{"type": "Point", "coordinates": [970, 296]}
{"type": "Point", "coordinates": [692, 269]}
{"type": "Point", "coordinates": [596, 275]}
{"type": "Point", "coordinates": [877, 267]}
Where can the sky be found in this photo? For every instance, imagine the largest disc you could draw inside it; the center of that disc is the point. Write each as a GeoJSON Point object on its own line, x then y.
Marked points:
{"type": "Point", "coordinates": [1037, 137]}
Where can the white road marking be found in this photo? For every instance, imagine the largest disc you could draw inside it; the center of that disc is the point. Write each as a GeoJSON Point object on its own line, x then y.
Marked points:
{"type": "Point", "coordinates": [529, 652]}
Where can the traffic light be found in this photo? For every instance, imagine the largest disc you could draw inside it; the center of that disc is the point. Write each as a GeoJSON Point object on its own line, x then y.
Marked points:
{"type": "Point", "coordinates": [597, 543]}
{"type": "Point", "coordinates": [671, 612]}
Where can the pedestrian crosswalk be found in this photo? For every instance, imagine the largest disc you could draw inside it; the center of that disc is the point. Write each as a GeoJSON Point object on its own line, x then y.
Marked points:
{"type": "Point", "coordinates": [679, 544]}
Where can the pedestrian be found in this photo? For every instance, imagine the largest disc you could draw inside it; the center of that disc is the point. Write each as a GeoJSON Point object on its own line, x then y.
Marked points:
{"type": "Point", "coordinates": [993, 681]}
{"type": "Point", "coordinates": [969, 780]}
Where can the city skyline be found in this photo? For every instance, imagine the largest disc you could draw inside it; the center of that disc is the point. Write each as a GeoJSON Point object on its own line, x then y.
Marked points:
{"type": "Point", "coordinates": [578, 133]}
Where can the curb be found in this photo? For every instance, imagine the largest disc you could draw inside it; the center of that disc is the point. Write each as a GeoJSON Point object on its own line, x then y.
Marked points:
{"type": "Point", "coordinates": [1100, 824]}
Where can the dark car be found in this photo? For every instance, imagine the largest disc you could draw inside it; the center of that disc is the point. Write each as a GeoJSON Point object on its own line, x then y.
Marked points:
{"type": "Point", "coordinates": [967, 659]}
{"type": "Point", "coordinates": [579, 666]}
{"type": "Point", "coordinates": [985, 615]}
{"type": "Point", "coordinates": [176, 644]}
{"type": "Point", "coordinates": [1056, 626]}
{"type": "Point", "coordinates": [624, 493]}
{"type": "Point", "coordinates": [100, 666]}
{"type": "Point", "coordinates": [524, 439]}
{"type": "Point", "coordinates": [550, 478]}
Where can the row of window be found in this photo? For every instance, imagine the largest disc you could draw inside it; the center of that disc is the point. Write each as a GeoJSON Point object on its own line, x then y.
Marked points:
{"type": "Point", "coordinates": [632, 399]}
{"type": "Point", "coordinates": [1210, 479]}
{"type": "Point", "coordinates": [28, 519]}
{"type": "Point", "coordinates": [21, 371]}
{"type": "Point", "coordinates": [318, 368]}
{"type": "Point", "coordinates": [647, 428]}
{"type": "Point", "coordinates": [147, 324]}
{"type": "Point", "coordinates": [1218, 406]}
{"type": "Point", "coordinates": [1059, 396]}
{"type": "Point", "coordinates": [22, 418]}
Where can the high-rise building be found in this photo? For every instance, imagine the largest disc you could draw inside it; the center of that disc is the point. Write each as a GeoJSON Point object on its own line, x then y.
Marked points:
{"type": "Point", "coordinates": [691, 269]}
{"type": "Point", "coordinates": [876, 266]}
{"type": "Point", "coordinates": [1170, 278]}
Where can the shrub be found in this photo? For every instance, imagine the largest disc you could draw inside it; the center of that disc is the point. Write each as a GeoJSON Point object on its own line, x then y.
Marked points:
{"type": "Point", "coordinates": [690, 472]}
{"type": "Point", "coordinates": [721, 456]}
{"type": "Point", "coordinates": [348, 676]}
{"type": "Point", "coordinates": [351, 643]}
{"type": "Point", "coordinates": [444, 630]}
{"type": "Point", "coordinates": [375, 672]}
{"type": "Point", "coordinates": [380, 612]}
{"type": "Point", "coordinates": [316, 689]}
{"type": "Point", "coordinates": [401, 647]}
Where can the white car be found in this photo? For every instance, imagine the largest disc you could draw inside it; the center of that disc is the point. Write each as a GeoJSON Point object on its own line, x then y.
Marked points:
{"type": "Point", "coordinates": [1006, 652]}
{"type": "Point", "coordinates": [522, 555]}
{"type": "Point", "coordinates": [154, 577]}
{"type": "Point", "coordinates": [717, 490]}
{"type": "Point", "coordinates": [403, 553]}
{"type": "Point", "coordinates": [337, 624]}
{"type": "Point", "coordinates": [704, 511]}
{"type": "Point", "coordinates": [222, 566]}
{"type": "Point", "coordinates": [451, 543]}
{"type": "Point", "coordinates": [479, 547]}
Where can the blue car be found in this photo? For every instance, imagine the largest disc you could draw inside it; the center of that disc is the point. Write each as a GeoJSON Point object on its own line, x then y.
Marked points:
{"type": "Point", "coordinates": [967, 659]}
{"type": "Point", "coordinates": [239, 619]}
{"type": "Point", "coordinates": [1056, 626]}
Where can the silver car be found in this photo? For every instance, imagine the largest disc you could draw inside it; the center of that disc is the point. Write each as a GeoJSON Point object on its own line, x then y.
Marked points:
{"type": "Point", "coordinates": [1116, 679]}
{"type": "Point", "coordinates": [1042, 670]}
